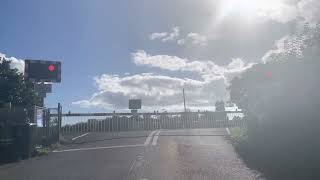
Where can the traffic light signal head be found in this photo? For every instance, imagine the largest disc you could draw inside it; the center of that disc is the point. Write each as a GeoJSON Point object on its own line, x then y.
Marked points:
{"type": "Point", "coordinates": [51, 68]}
{"type": "Point", "coordinates": [43, 71]}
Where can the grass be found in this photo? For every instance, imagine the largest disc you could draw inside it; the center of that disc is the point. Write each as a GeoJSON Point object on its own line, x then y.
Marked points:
{"type": "Point", "coordinates": [45, 150]}
{"type": "Point", "coordinates": [238, 132]}
{"type": "Point", "coordinates": [239, 140]}
{"type": "Point", "coordinates": [239, 137]}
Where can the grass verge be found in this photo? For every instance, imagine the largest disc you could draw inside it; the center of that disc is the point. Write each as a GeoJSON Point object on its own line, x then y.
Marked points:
{"type": "Point", "coordinates": [44, 150]}
{"type": "Point", "coordinates": [239, 139]}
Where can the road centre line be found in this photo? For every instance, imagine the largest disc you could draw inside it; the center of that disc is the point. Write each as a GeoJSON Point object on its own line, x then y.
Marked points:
{"type": "Point", "coordinates": [155, 138]}
{"type": "Point", "coordinates": [228, 131]}
{"type": "Point", "coordinates": [149, 138]}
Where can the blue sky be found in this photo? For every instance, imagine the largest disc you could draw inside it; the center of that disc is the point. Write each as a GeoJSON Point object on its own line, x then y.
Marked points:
{"type": "Point", "coordinates": [115, 50]}
{"type": "Point", "coordinates": [87, 40]}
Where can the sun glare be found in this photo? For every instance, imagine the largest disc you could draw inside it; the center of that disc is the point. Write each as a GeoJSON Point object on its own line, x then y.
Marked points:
{"type": "Point", "coordinates": [247, 9]}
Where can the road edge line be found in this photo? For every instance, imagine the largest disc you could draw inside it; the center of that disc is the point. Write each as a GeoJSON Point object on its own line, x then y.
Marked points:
{"type": "Point", "coordinates": [96, 148]}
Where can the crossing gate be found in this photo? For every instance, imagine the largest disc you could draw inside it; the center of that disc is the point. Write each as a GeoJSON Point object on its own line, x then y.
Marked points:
{"type": "Point", "coordinates": [48, 132]}
{"type": "Point", "coordinates": [79, 123]}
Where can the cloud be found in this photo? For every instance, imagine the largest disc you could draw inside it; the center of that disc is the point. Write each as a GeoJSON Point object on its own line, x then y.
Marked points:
{"type": "Point", "coordinates": [156, 91]}
{"type": "Point", "coordinates": [277, 51]}
{"type": "Point", "coordinates": [172, 63]}
{"type": "Point", "coordinates": [310, 10]}
{"type": "Point", "coordinates": [15, 63]}
{"type": "Point", "coordinates": [162, 91]}
{"type": "Point", "coordinates": [208, 70]}
{"type": "Point", "coordinates": [190, 38]}
{"type": "Point", "coordinates": [161, 35]}
{"type": "Point", "coordinates": [175, 33]}
{"type": "Point", "coordinates": [295, 44]}
{"type": "Point", "coordinates": [282, 11]}
{"type": "Point", "coordinates": [287, 10]}
{"type": "Point", "coordinates": [195, 39]}
{"type": "Point", "coordinates": [2, 56]}
{"type": "Point", "coordinates": [166, 36]}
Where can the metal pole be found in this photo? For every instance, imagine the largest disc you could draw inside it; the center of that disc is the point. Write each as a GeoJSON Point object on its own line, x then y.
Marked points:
{"type": "Point", "coordinates": [59, 120]}
{"type": "Point", "coordinates": [184, 101]}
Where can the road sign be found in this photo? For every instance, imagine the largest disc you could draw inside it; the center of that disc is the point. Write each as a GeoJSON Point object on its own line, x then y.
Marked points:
{"type": "Point", "coordinates": [39, 117]}
{"type": "Point", "coordinates": [135, 104]}
{"type": "Point", "coordinates": [46, 88]}
{"type": "Point", "coordinates": [42, 94]}
{"type": "Point", "coordinates": [42, 89]}
{"type": "Point", "coordinates": [43, 71]}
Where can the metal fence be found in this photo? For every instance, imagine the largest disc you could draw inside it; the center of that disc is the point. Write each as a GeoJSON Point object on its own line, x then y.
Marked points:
{"type": "Point", "coordinates": [78, 123]}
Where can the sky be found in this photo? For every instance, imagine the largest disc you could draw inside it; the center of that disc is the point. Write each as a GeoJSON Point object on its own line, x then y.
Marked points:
{"type": "Point", "coordinates": [112, 51]}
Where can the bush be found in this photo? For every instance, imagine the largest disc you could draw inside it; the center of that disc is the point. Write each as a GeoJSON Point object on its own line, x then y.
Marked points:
{"type": "Point", "coordinates": [281, 101]}
{"type": "Point", "coordinates": [239, 139]}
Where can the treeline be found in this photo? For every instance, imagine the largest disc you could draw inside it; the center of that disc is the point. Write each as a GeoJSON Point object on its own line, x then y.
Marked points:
{"type": "Point", "coordinates": [281, 100]}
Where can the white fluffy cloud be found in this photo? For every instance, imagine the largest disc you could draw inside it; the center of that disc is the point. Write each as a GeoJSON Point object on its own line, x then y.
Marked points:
{"type": "Point", "coordinates": [277, 51]}
{"type": "Point", "coordinates": [279, 10]}
{"type": "Point", "coordinates": [166, 36]}
{"type": "Point", "coordinates": [208, 70]}
{"type": "Point", "coordinates": [156, 91]}
{"type": "Point", "coordinates": [294, 44]}
{"type": "Point", "coordinates": [310, 10]}
{"type": "Point", "coordinates": [191, 38]}
{"type": "Point", "coordinates": [174, 34]}
{"type": "Point", "coordinates": [155, 36]}
{"type": "Point", "coordinates": [195, 39]}
{"type": "Point", "coordinates": [15, 63]}
{"type": "Point", "coordinates": [161, 91]}
{"type": "Point", "coordinates": [288, 10]}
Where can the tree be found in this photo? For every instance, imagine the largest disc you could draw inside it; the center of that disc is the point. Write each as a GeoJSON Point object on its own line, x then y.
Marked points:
{"type": "Point", "coordinates": [281, 101]}
{"type": "Point", "coordinates": [14, 88]}
{"type": "Point", "coordinates": [220, 106]}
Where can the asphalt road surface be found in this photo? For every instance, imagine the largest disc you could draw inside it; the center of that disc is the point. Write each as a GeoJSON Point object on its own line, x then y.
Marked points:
{"type": "Point", "coordinates": [189, 154]}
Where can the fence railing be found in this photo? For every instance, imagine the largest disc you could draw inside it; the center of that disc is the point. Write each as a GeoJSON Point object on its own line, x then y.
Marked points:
{"type": "Point", "coordinates": [78, 123]}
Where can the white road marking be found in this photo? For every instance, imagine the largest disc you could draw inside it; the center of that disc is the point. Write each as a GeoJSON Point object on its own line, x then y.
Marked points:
{"type": "Point", "coordinates": [95, 148]}
{"type": "Point", "coordinates": [79, 136]}
{"type": "Point", "coordinates": [202, 144]}
{"type": "Point", "coordinates": [149, 138]}
{"type": "Point", "coordinates": [155, 138]}
{"type": "Point", "coordinates": [228, 131]}
{"type": "Point", "coordinates": [136, 163]}
{"type": "Point", "coordinates": [132, 166]}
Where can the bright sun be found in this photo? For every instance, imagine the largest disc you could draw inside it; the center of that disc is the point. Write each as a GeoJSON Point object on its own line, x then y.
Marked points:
{"type": "Point", "coordinates": [248, 9]}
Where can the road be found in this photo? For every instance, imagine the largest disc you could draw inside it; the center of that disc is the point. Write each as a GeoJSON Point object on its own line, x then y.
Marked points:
{"type": "Point", "coordinates": [146, 155]}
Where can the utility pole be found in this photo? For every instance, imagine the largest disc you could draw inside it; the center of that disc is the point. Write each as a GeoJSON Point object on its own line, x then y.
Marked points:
{"type": "Point", "coordinates": [184, 101]}
{"type": "Point", "coordinates": [59, 121]}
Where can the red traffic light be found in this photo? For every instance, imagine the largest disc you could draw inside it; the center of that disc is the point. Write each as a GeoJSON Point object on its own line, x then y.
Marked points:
{"type": "Point", "coordinates": [51, 68]}
{"type": "Point", "coordinates": [42, 71]}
